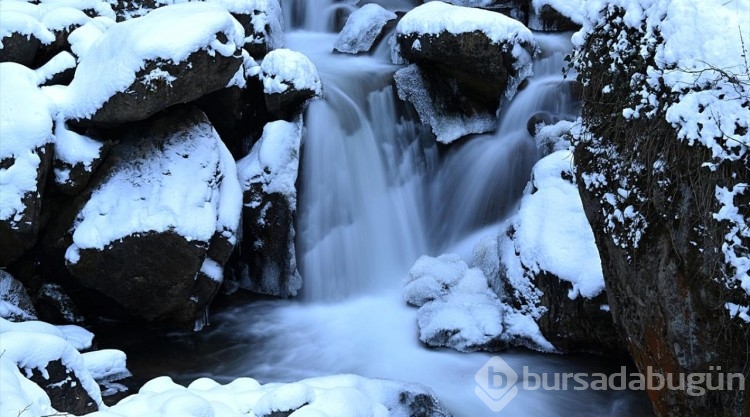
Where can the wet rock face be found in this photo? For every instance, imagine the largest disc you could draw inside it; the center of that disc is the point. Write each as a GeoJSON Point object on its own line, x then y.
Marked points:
{"type": "Point", "coordinates": [479, 67]}
{"type": "Point", "coordinates": [165, 266]}
{"type": "Point", "coordinates": [64, 389]}
{"type": "Point", "coordinates": [579, 325]}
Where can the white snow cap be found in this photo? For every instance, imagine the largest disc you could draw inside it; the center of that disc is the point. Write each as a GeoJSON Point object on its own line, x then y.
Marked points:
{"type": "Point", "coordinates": [552, 232]}
{"type": "Point", "coordinates": [273, 161]}
{"type": "Point", "coordinates": [362, 28]}
{"type": "Point", "coordinates": [25, 125]}
{"type": "Point", "coordinates": [283, 68]}
{"type": "Point", "coordinates": [171, 33]}
{"type": "Point", "coordinates": [435, 17]}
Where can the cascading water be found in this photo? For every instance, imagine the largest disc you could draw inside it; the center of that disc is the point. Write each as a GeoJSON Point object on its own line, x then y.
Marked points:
{"type": "Point", "coordinates": [375, 195]}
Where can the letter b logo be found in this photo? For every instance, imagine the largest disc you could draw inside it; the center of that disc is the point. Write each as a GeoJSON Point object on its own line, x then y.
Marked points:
{"type": "Point", "coordinates": [496, 384]}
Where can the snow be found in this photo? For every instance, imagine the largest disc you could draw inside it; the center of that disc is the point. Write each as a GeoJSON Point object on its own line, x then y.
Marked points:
{"type": "Point", "coordinates": [552, 232]}
{"type": "Point", "coordinates": [56, 65]}
{"type": "Point", "coordinates": [106, 365]}
{"type": "Point", "coordinates": [25, 126]}
{"type": "Point", "coordinates": [171, 33]}
{"type": "Point", "coordinates": [188, 186]}
{"type": "Point", "coordinates": [435, 17]}
{"type": "Point", "coordinates": [458, 309]}
{"type": "Point", "coordinates": [362, 28]}
{"type": "Point", "coordinates": [331, 396]}
{"type": "Point", "coordinates": [273, 162]}
{"type": "Point", "coordinates": [13, 21]}
{"type": "Point", "coordinates": [23, 346]}
{"type": "Point", "coordinates": [739, 311]}
{"type": "Point", "coordinates": [284, 68]}
{"type": "Point", "coordinates": [81, 39]}
{"type": "Point", "coordinates": [72, 149]}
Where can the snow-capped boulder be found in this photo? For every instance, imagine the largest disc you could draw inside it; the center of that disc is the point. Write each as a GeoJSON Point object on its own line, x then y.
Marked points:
{"type": "Point", "coordinates": [336, 395]}
{"type": "Point", "coordinates": [47, 359]}
{"type": "Point", "coordinates": [25, 157]}
{"type": "Point", "coordinates": [472, 58]}
{"type": "Point", "coordinates": [459, 310]}
{"type": "Point", "coordinates": [162, 221]}
{"type": "Point", "coordinates": [549, 246]}
{"type": "Point", "coordinates": [290, 80]}
{"type": "Point", "coordinates": [15, 303]}
{"type": "Point", "coordinates": [174, 54]}
{"type": "Point", "coordinates": [364, 28]}
{"type": "Point", "coordinates": [268, 175]}
{"type": "Point", "coordinates": [21, 32]}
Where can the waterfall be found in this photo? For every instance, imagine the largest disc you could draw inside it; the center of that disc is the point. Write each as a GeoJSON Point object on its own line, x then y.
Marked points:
{"type": "Point", "coordinates": [376, 192]}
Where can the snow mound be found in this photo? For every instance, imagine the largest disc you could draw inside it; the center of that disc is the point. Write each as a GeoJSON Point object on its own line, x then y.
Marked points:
{"type": "Point", "coordinates": [25, 126]}
{"type": "Point", "coordinates": [273, 161]}
{"type": "Point", "coordinates": [33, 345]}
{"type": "Point", "coordinates": [284, 68]}
{"type": "Point", "coordinates": [458, 309]}
{"type": "Point", "coordinates": [331, 396]}
{"type": "Point", "coordinates": [435, 17]}
{"type": "Point", "coordinates": [552, 233]}
{"type": "Point", "coordinates": [362, 29]}
{"type": "Point", "coordinates": [172, 33]}
{"type": "Point", "coordinates": [187, 185]}
{"type": "Point", "coordinates": [430, 278]}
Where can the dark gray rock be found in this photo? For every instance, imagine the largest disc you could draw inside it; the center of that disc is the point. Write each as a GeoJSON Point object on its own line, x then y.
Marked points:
{"type": "Point", "coordinates": [20, 48]}
{"type": "Point", "coordinates": [195, 77]}
{"type": "Point", "coordinates": [55, 306]}
{"type": "Point", "coordinates": [15, 303]}
{"type": "Point", "coordinates": [64, 389]}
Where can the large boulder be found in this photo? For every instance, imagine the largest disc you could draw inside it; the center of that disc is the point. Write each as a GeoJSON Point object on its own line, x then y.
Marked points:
{"type": "Point", "coordinates": [473, 59]}
{"type": "Point", "coordinates": [137, 68]}
{"type": "Point", "coordinates": [161, 221]}
{"type": "Point", "coordinates": [268, 174]}
{"type": "Point", "coordinates": [364, 28]}
{"type": "Point", "coordinates": [662, 168]}
{"type": "Point", "coordinates": [25, 157]}
{"type": "Point", "coordinates": [21, 32]}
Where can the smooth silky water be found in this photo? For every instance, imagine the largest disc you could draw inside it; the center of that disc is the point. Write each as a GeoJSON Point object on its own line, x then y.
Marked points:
{"type": "Point", "coordinates": [377, 193]}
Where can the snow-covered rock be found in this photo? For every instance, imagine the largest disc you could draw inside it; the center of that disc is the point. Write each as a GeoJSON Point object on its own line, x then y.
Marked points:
{"type": "Point", "coordinates": [551, 262]}
{"type": "Point", "coordinates": [174, 54]}
{"type": "Point", "coordinates": [21, 32]}
{"type": "Point", "coordinates": [290, 79]}
{"type": "Point", "coordinates": [25, 156]}
{"type": "Point", "coordinates": [337, 395]}
{"type": "Point", "coordinates": [55, 305]}
{"type": "Point", "coordinates": [364, 27]}
{"type": "Point", "coordinates": [458, 309]}
{"type": "Point", "coordinates": [156, 231]}
{"type": "Point", "coordinates": [268, 175]}
{"type": "Point", "coordinates": [15, 303]}
{"type": "Point", "coordinates": [470, 59]}
{"type": "Point", "coordinates": [76, 158]}
{"type": "Point", "coordinates": [557, 15]}
{"type": "Point", "coordinates": [43, 373]}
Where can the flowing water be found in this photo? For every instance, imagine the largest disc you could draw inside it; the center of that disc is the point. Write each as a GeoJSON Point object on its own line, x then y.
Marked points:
{"type": "Point", "coordinates": [377, 193]}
